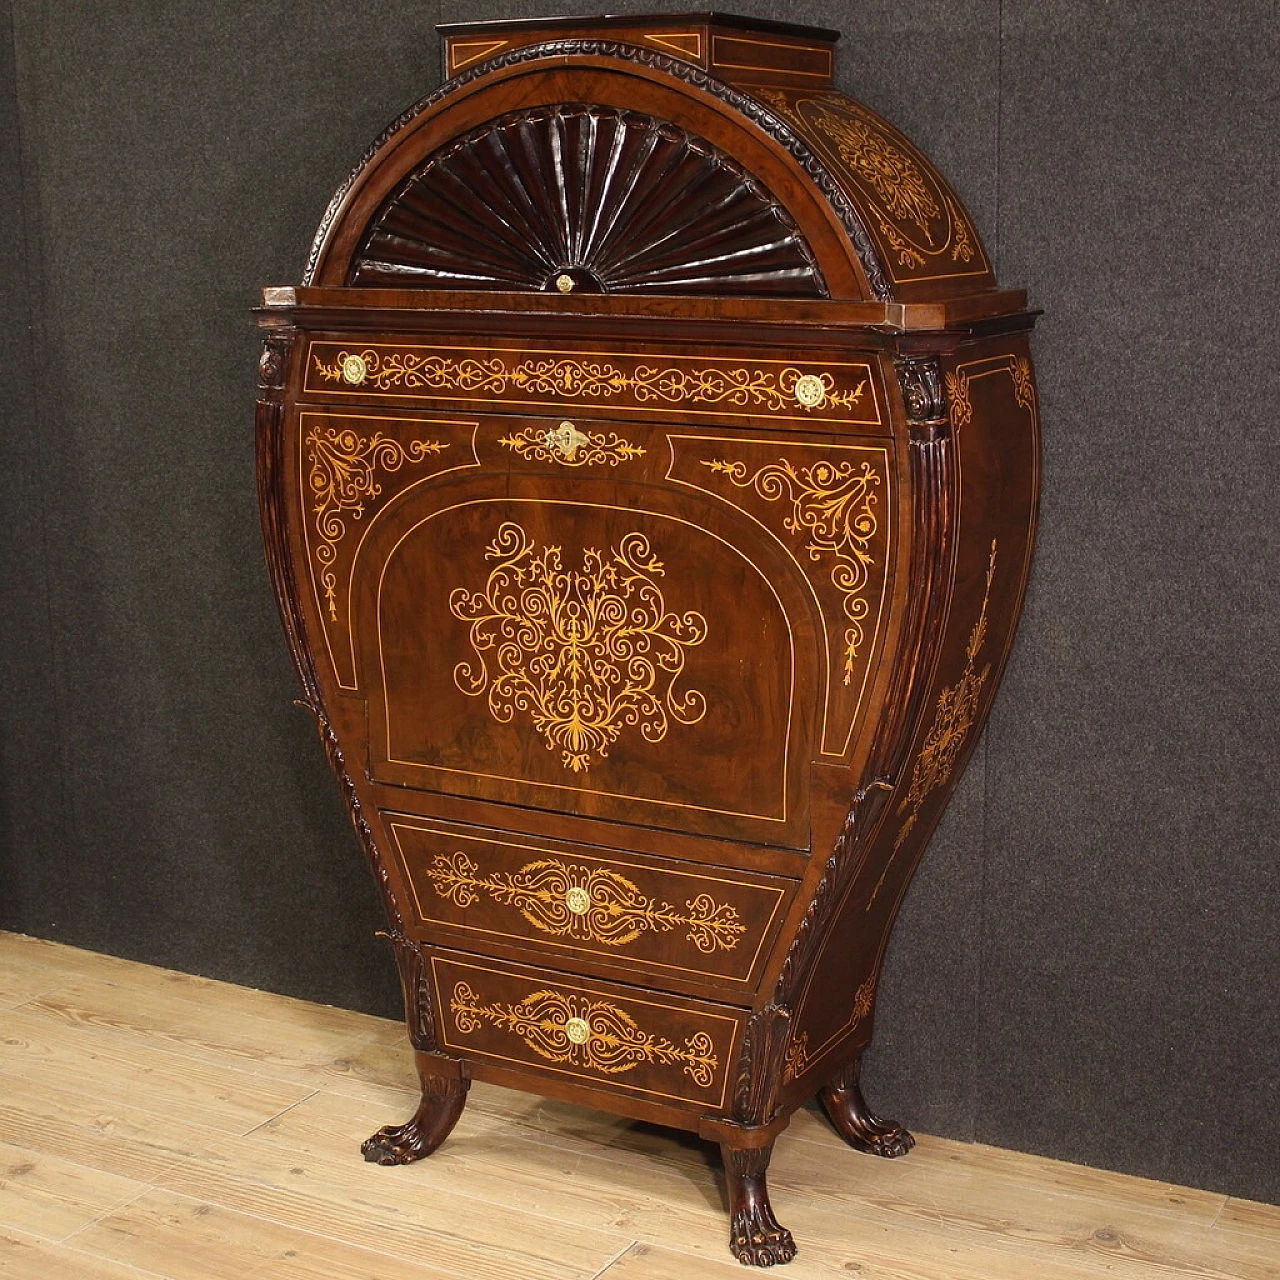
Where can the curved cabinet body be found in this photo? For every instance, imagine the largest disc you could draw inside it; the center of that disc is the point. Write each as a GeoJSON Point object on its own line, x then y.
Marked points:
{"type": "Point", "coordinates": [649, 469]}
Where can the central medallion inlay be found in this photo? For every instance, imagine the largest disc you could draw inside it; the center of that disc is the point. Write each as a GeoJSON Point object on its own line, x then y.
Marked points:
{"type": "Point", "coordinates": [582, 652]}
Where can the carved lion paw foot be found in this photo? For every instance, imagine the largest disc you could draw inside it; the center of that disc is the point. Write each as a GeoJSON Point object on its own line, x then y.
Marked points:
{"type": "Point", "coordinates": [396, 1144]}
{"type": "Point", "coordinates": [756, 1239]}
{"type": "Point", "coordinates": [894, 1141]}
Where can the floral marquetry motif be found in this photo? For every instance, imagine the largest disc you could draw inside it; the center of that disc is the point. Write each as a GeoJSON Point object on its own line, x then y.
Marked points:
{"type": "Point", "coordinates": [956, 713]}
{"type": "Point", "coordinates": [833, 506]}
{"type": "Point", "coordinates": [579, 1031]}
{"type": "Point", "coordinates": [570, 447]}
{"type": "Point", "coordinates": [343, 473]}
{"type": "Point", "coordinates": [584, 653]}
{"type": "Point", "coordinates": [894, 176]}
{"type": "Point", "coordinates": [925, 234]}
{"type": "Point", "coordinates": [588, 903]}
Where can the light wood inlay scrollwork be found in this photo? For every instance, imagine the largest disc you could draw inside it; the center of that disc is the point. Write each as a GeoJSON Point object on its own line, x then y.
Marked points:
{"type": "Point", "coordinates": [582, 652]}
{"type": "Point", "coordinates": [574, 1029]}
{"type": "Point", "coordinates": [569, 447]}
{"type": "Point", "coordinates": [833, 504]}
{"type": "Point", "coordinates": [343, 478]}
{"type": "Point", "coordinates": [592, 904]}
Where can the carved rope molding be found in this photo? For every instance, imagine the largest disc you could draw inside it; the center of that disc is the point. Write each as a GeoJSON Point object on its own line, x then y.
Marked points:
{"type": "Point", "coordinates": [585, 903]}
{"type": "Point", "coordinates": [759, 113]}
{"type": "Point", "coordinates": [582, 652]}
{"type": "Point", "coordinates": [579, 1031]}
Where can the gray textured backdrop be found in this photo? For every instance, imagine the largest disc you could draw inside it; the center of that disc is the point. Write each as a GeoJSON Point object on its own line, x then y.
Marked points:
{"type": "Point", "coordinates": [1087, 964]}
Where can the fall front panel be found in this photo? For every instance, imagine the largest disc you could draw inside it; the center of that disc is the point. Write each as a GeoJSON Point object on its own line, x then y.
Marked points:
{"type": "Point", "coordinates": [600, 656]}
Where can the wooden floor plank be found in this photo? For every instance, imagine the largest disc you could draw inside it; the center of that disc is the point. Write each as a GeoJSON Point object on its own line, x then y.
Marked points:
{"type": "Point", "coordinates": [282, 1046]}
{"type": "Point", "coordinates": [51, 1196]}
{"type": "Point", "coordinates": [116, 1068]}
{"type": "Point", "coordinates": [36, 962]}
{"type": "Point", "coordinates": [24, 1257]}
{"type": "Point", "coordinates": [176, 1127]}
{"type": "Point", "coordinates": [114, 1137]}
{"type": "Point", "coordinates": [386, 1209]}
{"type": "Point", "coordinates": [174, 1235]}
{"type": "Point", "coordinates": [670, 1190]}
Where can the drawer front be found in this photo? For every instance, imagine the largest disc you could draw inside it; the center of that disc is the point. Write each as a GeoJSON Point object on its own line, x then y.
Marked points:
{"type": "Point", "coordinates": [676, 922]}
{"type": "Point", "coordinates": [652, 1046]}
{"type": "Point", "coordinates": [791, 393]}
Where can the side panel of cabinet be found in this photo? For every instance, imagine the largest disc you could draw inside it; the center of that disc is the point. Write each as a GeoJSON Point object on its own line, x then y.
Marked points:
{"type": "Point", "coordinates": [994, 438]}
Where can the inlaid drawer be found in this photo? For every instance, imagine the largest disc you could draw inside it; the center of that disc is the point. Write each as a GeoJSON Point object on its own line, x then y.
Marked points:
{"type": "Point", "coordinates": [681, 923]}
{"type": "Point", "coordinates": [662, 1048]}
{"type": "Point", "coordinates": [752, 387]}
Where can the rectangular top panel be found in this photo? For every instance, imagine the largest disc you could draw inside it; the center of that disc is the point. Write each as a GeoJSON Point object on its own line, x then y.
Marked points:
{"type": "Point", "coordinates": [733, 48]}
{"type": "Point", "coordinates": [415, 308]}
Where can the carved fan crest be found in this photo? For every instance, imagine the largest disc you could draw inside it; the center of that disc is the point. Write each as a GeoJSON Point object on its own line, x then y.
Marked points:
{"type": "Point", "coordinates": [586, 198]}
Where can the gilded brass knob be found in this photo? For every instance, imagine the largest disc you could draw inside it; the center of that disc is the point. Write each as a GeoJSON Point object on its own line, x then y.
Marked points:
{"type": "Point", "coordinates": [578, 900]}
{"type": "Point", "coordinates": [810, 390]}
{"type": "Point", "coordinates": [355, 369]}
{"type": "Point", "coordinates": [578, 1030]}
{"type": "Point", "coordinates": [564, 283]}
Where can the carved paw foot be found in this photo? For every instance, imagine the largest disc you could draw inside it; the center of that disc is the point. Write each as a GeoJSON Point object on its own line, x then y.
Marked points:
{"type": "Point", "coordinates": [893, 1142]}
{"type": "Point", "coordinates": [857, 1124]}
{"type": "Point", "coordinates": [396, 1144]}
{"type": "Point", "coordinates": [442, 1103]}
{"type": "Point", "coordinates": [756, 1239]}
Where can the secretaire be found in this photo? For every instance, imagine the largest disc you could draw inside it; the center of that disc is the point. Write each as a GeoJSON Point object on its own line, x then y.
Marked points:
{"type": "Point", "coordinates": [649, 466]}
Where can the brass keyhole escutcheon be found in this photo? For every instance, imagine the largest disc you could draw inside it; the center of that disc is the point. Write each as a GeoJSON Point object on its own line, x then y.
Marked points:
{"type": "Point", "coordinates": [566, 440]}
{"type": "Point", "coordinates": [578, 1030]}
{"type": "Point", "coordinates": [578, 900]}
{"type": "Point", "coordinates": [564, 282]}
{"type": "Point", "coordinates": [810, 390]}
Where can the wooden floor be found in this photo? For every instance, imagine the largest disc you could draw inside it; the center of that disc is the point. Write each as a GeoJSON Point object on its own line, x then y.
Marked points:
{"type": "Point", "coordinates": [156, 1124]}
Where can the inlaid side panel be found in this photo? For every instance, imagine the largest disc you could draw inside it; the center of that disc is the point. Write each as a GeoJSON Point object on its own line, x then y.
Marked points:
{"type": "Point", "coordinates": [755, 389]}
{"type": "Point", "coordinates": [656, 1047]}
{"type": "Point", "coordinates": [992, 406]}
{"type": "Point", "coordinates": [921, 230]}
{"type": "Point", "coordinates": [670, 920]}
{"type": "Point", "coordinates": [830, 507]}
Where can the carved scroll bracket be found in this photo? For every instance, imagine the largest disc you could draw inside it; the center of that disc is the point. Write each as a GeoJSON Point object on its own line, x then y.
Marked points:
{"type": "Point", "coordinates": [921, 383]}
{"type": "Point", "coordinates": [274, 361]}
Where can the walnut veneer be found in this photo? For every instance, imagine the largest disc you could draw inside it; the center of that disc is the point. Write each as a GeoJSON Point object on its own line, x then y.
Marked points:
{"type": "Point", "coordinates": [649, 467]}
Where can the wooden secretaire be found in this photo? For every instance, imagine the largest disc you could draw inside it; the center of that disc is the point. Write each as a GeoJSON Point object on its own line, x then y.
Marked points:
{"type": "Point", "coordinates": [649, 469]}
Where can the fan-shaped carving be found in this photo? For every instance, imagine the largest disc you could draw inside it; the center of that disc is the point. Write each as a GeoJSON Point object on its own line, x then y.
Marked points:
{"type": "Point", "coordinates": [588, 198]}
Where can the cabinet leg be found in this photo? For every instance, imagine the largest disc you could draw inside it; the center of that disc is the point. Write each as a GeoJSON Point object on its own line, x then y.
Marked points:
{"type": "Point", "coordinates": [856, 1123]}
{"type": "Point", "coordinates": [755, 1238]}
{"type": "Point", "coordinates": [437, 1113]}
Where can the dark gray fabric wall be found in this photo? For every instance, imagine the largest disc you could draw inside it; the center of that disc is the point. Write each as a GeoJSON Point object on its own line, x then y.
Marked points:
{"type": "Point", "coordinates": [1086, 965]}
